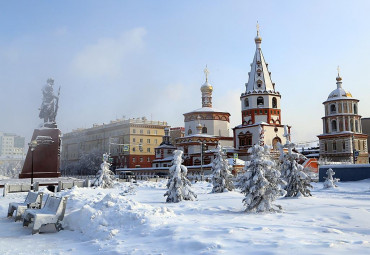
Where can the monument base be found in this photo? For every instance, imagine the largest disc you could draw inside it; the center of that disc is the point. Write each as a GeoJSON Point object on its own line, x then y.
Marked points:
{"type": "Point", "coordinates": [44, 161]}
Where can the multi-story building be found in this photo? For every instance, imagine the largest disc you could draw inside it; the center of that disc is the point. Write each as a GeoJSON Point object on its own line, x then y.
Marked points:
{"type": "Point", "coordinates": [11, 145]}
{"type": "Point", "coordinates": [260, 108]}
{"type": "Point", "coordinates": [366, 130]}
{"type": "Point", "coordinates": [342, 139]}
{"type": "Point", "coordinates": [131, 142]}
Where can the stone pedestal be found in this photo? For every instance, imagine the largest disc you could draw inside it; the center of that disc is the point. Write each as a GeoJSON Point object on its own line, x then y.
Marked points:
{"type": "Point", "coordinates": [46, 158]}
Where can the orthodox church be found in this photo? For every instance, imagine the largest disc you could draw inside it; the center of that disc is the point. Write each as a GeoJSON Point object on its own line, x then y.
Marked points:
{"type": "Point", "coordinates": [204, 128]}
{"type": "Point", "coordinates": [342, 139]}
{"type": "Point", "coordinates": [260, 108]}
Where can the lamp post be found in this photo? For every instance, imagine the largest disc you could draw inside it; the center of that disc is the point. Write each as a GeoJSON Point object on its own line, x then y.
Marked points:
{"type": "Point", "coordinates": [33, 144]}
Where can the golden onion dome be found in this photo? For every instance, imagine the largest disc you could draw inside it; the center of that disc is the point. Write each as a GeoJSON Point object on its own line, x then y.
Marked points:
{"type": "Point", "coordinates": [206, 87]}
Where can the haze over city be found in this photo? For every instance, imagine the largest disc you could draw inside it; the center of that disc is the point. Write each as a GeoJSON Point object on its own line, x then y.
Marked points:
{"type": "Point", "coordinates": [146, 58]}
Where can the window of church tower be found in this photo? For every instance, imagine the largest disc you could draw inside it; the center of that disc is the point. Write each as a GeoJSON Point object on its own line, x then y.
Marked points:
{"type": "Point", "coordinates": [260, 101]}
{"type": "Point", "coordinates": [341, 125]}
{"type": "Point", "coordinates": [190, 132]}
{"type": "Point", "coordinates": [339, 107]}
{"type": "Point", "coordinates": [351, 125]}
{"type": "Point", "coordinates": [334, 125]}
{"type": "Point", "coordinates": [246, 102]}
{"type": "Point", "coordinates": [356, 126]}
{"type": "Point", "coordinates": [333, 109]}
{"type": "Point", "coordinates": [334, 145]}
{"type": "Point", "coordinates": [355, 108]}
{"type": "Point", "coordinates": [274, 102]}
{"type": "Point", "coordinates": [204, 130]}
{"type": "Point", "coordinates": [350, 108]}
{"type": "Point", "coordinates": [344, 145]}
{"type": "Point", "coordinates": [345, 108]}
{"type": "Point", "coordinates": [325, 147]}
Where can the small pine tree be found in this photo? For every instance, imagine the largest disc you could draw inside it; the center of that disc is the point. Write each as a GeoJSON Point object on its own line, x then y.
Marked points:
{"type": "Point", "coordinates": [298, 182]}
{"type": "Point", "coordinates": [179, 187]}
{"type": "Point", "coordinates": [261, 182]}
{"type": "Point", "coordinates": [105, 177]}
{"type": "Point", "coordinates": [330, 182]}
{"type": "Point", "coordinates": [221, 175]}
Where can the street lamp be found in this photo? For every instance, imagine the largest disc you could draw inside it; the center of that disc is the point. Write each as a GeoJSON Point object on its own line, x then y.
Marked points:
{"type": "Point", "coordinates": [33, 144]}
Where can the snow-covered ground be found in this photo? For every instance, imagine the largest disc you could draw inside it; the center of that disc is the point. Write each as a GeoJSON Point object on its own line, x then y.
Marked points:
{"type": "Point", "coordinates": [134, 219]}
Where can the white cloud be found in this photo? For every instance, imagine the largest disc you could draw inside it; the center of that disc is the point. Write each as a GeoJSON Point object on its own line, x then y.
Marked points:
{"type": "Point", "coordinates": [106, 57]}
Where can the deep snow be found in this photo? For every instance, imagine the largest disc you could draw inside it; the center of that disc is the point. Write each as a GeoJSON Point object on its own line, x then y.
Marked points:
{"type": "Point", "coordinates": [134, 219]}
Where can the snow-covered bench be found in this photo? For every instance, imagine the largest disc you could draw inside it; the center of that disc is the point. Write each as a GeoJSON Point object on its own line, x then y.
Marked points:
{"type": "Point", "coordinates": [20, 187]}
{"type": "Point", "coordinates": [69, 185]}
{"type": "Point", "coordinates": [33, 200]}
{"type": "Point", "coordinates": [52, 213]}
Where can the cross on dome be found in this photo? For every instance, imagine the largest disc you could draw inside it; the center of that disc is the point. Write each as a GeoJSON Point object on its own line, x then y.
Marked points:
{"type": "Point", "coordinates": [206, 72]}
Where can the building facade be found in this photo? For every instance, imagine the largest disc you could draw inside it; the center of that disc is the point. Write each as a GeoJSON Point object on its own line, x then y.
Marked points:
{"type": "Point", "coordinates": [131, 142]}
{"type": "Point", "coordinates": [11, 145]}
{"type": "Point", "coordinates": [342, 139]}
{"type": "Point", "coordinates": [207, 126]}
{"type": "Point", "coordinates": [365, 122]}
{"type": "Point", "coordinates": [260, 107]}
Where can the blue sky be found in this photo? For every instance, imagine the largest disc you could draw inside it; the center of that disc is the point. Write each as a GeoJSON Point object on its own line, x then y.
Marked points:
{"type": "Point", "coordinates": [146, 58]}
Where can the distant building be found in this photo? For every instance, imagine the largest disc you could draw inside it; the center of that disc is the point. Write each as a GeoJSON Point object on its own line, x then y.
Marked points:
{"type": "Point", "coordinates": [260, 107]}
{"type": "Point", "coordinates": [207, 126]}
{"type": "Point", "coordinates": [131, 142]}
{"type": "Point", "coordinates": [176, 132]}
{"type": "Point", "coordinates": [11, 145]}
{"type": "Point", "coordinates": [342, 136]}
{"type": "Point", "coordinates": [164, 152]}
{"type": "Point", "coordinates": [366, 130]}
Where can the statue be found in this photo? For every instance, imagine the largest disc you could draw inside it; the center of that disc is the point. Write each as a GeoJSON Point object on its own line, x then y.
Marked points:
{"type": "Point", "coordinates": [49, 106]}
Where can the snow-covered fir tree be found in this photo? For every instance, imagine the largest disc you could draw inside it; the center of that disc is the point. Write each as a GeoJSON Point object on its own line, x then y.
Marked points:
{"type": "Point", "coordinates": [179, 187]}
{"type": "Point", "coordinates": [221, 175]}
{"type": "Point", "coordinates": [105, 177]}
{"type": "Point", "coordinates": [298, 182]}
{"type": "Point", "coordinates": [261, 181]}
{"type": "Point", "coordinates": [330, 182]}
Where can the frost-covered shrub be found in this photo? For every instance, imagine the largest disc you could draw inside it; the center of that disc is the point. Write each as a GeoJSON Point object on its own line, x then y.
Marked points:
{"type": "Point", "coordinates": [330, 182]}
{"type": "Point", "coordinates": [221, 175]}
{"type": "Point", "coordinates": [179, 187]}
{"type": "Point", "coordinates": [298, 182]}
{"type": "Point", "coordinates": [261, 182]}
{"type": "Point", "coordinates": [105, 177]}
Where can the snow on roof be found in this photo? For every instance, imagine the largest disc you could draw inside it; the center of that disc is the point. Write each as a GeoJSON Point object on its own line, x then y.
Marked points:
{"type": "Point", "coordinates": [206, 109]}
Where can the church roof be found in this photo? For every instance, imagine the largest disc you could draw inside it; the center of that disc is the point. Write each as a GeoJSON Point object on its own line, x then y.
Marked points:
{"type": "Point", "coordinates": [259, 76]}
{"type": "Point", "coordinates": [339, 92]}
{"type": "Point", "coordinates": [206, 109]}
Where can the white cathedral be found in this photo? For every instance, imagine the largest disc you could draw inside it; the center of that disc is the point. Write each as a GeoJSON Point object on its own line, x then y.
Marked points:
{"type": "Point", "coordinates": [260, 108]}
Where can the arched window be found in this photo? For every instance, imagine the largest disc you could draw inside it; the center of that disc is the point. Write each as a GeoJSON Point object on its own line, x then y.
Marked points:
{"type": "Point", "coordinates": [274, 142]}
{"type": "Point", "coordinates": [190, 132]}
{"type": "Point", "coordinates": [274, 102]}
{"type": "Point", "coordinates": [246, 102]}
{"type": "Point", "coordinates": [333, 109]}
{"type": "Point", "coordinates": [355, 108]}
{"type": "Point", "coordinates": [260, 101]}
{"type": "Point", "coordinates": [334, 126]}
{"type": "Point", "coordinates": [204, 130]}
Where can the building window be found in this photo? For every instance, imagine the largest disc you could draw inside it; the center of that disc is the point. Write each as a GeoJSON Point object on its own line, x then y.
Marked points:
{"type": "Point", "coordinates": [133, 149]}
{"type": "Point", "coordinates": [148, 132]}
{"type": "Point", "coordinates": [351, 124]}
{"type": "Point", "coordinates": [141, 159]}
{"type": "Point", "coordinates": [155, 132]}
{"type": "Point", "coordinates": [325, 147]}
{"type": "Point", "coordinates": [134, 131]}
{"type": "Point", "coordinates": [141, 140]}
{"type": "Point", "coordinates": [155, 141]}
{"type": "Point", "coordinates": [274, 102]}
{"type": "Point", "coordinates": [355, 108]}
{"type": "Point", "coordinates": [246, 102]}
{"type": "Point", "coordinates": [344, 145]}
{"type": "Point", "coordinates": [134, 140]}
{"type": "Point", "coordinates": [260, 101]}
{"type": "Point", "coordinates": [204, 130]}
{"type": "Point", "coordinates": [356, 125]}
{"type": "Point", "coordinates": [190, 132]}
{"type": "Point", "coordinates": [148, 140]}
{"type": "Point", "coordinates": [141, 131]}
{"type": "Point", "coordinates": [148, 150]}
{"type": "Point", "coordinates": [333, 109]}
{"type": "Point", "coordinates": [334, 145]}
{"type": "Point", "coordinates": [334, 126]}
{"type": "Point", "coordinates": [134, 160]}
{"type": "Point", "coordinates": [148, 159]}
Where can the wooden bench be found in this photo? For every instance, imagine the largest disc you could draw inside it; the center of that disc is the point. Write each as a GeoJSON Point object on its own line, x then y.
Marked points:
{"type": "Point", "coordinates": [52, 213]}
{"type": "Point", "coordinates": [18, 187]}
{"type": "Point", "coordinates": [33, 200]}
{"type": "Point", "coordinates": [69, 185]}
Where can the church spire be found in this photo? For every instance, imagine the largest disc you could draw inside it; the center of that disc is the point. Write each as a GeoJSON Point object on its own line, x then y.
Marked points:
{"type": "Point", "coordinates": [259, 76]}
{"type": "Point", "coordinates": [206, 90]}
{"type": "Point", "coordinates": [339, 79]}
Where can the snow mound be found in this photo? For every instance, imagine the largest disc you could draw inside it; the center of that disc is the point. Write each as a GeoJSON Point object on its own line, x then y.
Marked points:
{"type": "Point", "coordinates": [114, 213]}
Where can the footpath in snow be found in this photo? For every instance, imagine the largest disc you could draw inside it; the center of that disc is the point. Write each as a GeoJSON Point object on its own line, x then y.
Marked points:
{"type": "Point", "coordinates": [134, 219]}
